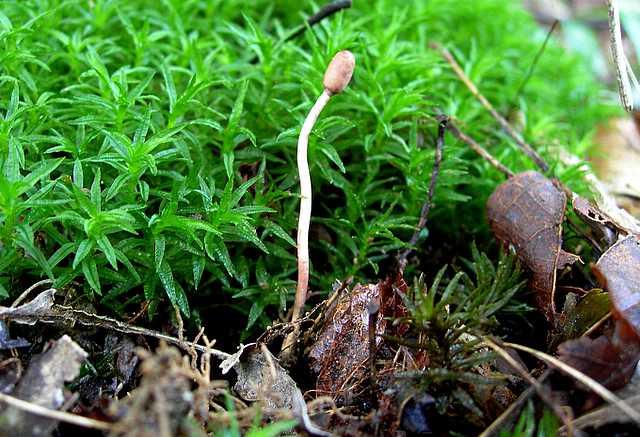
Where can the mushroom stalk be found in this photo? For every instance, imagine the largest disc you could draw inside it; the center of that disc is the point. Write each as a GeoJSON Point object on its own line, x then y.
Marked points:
{"type": "Point", "coordinates": [304, 218]}
{"type": "Point", "coordinates": [336, 78]}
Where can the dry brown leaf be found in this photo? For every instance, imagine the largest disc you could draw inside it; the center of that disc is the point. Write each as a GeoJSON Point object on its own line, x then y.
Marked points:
{"type": "Point", "coordinates": [617, 161]}
{"type": "Point", "coordinates": [618, 271]}
{"type": "Point", "coordinates": [527, 212]}
{"type": "Point", "coordinates": [601, 359]}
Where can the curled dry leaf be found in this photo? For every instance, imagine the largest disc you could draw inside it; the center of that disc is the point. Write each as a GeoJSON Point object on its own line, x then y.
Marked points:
{"type": "Point", "coordinates": [43, 385]}
{"type": "Point", "coordinates": [527, 212]}
{"type": "Point", "coordinates": [618, 271]}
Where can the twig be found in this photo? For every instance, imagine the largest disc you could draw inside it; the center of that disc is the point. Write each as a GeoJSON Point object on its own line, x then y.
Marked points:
{"type": "Point", "coordinates": [597, 325]}
{"type": "Point", "coordinates": [595, 386]}
{"type": "Point", "coordinates": [325, 12]}
{"type": "Point", "coordinates": [25, 293]}
{"type": "Point", "coordinates": [479, 149]}
{"type": "Point", "coordinates": [59, 416]}
{"type": "Point", "coordinates": [539, 388]}
{"type": "Point", "coordinates": [426, 207]}
{"type": "Point", "coordinates": [504, 124]}
{"type": "Point", "coordinates": [534, 64]}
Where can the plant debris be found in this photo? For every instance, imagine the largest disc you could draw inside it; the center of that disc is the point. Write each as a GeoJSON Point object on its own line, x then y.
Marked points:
{"type": "Point", "coordinates": [527, 212]}
{"type": "Point", "coordinates": [339, 356]}
{"type": "Point", "coordinates": [43, 385]}
{"type": "Point", "coordinates": [618, 269]}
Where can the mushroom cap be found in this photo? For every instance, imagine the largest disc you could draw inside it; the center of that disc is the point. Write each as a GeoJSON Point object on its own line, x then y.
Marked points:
{"type": "Point", "coordinates": [339, 72]}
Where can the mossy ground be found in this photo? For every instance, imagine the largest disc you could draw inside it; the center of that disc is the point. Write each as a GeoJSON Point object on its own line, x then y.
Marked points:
{"type": "Point", "coordinates": [148, 148]}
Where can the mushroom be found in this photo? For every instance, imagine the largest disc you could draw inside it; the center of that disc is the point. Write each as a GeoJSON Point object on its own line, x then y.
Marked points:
{"type": "Point", "coordinates": [336, 79]}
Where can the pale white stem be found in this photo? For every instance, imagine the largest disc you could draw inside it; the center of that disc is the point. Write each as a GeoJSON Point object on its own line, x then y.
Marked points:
{"type": "Point", "coordinates": [305, 204]}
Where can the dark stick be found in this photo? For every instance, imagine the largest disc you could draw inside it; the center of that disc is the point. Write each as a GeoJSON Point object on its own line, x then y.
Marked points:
{"type": "Point", "coordinates": [324, 12]}
{"type": "Point", "coordinates": [479, 149]}
{"type": "Point", "coordinates": [534, 64]}
{"type": "Point", "coordinates": [504, 124]}
{"type": "Point", "coordinates": [426, 207]}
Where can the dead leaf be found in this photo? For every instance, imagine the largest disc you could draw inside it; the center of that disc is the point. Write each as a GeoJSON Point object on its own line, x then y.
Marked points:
{"type": "Point", "coordinates": [43, 385]}
{"type": "Point", "coordinates": [340, 353]}
{"type": "Point", "coordinates": [617, 161]}
{"type": "Point", "coordinates": [601, 359]}
{"type": "Point", "coordinates": [30, 312]}
{"type": "Point", "coordinates": [618, 271]}
{"type": "Point", "coordinates": [527, 212]}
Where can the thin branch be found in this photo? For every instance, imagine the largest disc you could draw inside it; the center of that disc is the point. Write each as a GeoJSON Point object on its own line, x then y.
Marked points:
{"type": "Point", "coordinates": [59, 416]}
{"type": "Point", "coordinates": [586, 380]}
{"type": "Point", "coordinates": [426, 207]}
{"type": "Point", "coordinates": [534, 64]}
{"type": "Point", "coordinates": [25, 293]}
{"type": "Point", "coordinates": [325, 12]}
{"type": "Point", "coordinates": [479, 149]}
{"type": "Point", "coordinates": [504, 124]}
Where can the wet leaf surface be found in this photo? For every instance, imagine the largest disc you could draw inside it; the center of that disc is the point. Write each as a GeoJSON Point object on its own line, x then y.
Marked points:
{"type": "Point", "coordinates": [618, 270]}
{"type": "Point", "coordinates": [527, 212]}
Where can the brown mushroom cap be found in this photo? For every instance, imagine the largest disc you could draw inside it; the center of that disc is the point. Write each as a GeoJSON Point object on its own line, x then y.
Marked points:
{"type": "Point", "coordinates": [339, 72]}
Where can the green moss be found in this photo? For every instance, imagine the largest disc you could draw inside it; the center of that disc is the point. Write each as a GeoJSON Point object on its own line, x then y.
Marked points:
{"type": "Point", "coordinates": [147, 156]}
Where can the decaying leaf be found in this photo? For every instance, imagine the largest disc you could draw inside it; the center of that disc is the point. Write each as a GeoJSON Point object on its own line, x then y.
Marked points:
{"type": "Point", "coordinates": [610, 364]}
{"type": "Point", "coordinates": [618, 271]}
{"type": "Point", "coordinates": [527, 212]}
{"type": "Point", "coordinates": [43, 385]}
{"type": "Point", "coordinates": [30, 312]}
{"type": "Point", "coordinates": [340, 353]}
{"type": "Point", "coordinates": [617, 162]}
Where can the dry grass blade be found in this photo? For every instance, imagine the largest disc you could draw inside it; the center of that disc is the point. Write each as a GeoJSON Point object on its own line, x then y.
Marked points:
{"type": "Point", "coordinates": [542, 392]}
{"type": "Point", "coordinates": [60, 416]}
{"type": "Point", "coordinates": [504, 124]}
{"type": "Point", "coordinates": [592, 384]}
{"type": "Point", "coordinates": [479, 149]}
